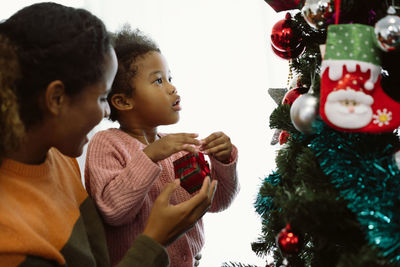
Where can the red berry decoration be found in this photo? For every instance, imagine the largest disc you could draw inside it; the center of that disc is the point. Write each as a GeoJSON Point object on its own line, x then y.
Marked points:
{"type": "Point", "coordinates": [288, 241]}
{"type": "Point", "coordinates": [293, 94]}
{"type": "Point", "coordinates": [285, 43]}
{"type": "Point", "coordinates": [283, 137]}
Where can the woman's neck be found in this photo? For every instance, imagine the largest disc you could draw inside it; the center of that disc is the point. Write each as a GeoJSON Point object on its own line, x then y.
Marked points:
{"type": "Point", "coordinates": [145, 136]}
{"type": "Point", "coordinates": [32, 150]}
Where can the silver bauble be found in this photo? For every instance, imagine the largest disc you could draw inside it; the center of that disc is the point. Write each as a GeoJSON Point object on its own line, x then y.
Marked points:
{"type": "Point", "coordinates": [387, 31]}
{"type": "Point", "coordinates": [303, 112]}
{"type": "Point", "coordinates": [317, 12]}
{"type": "Point", "coordinates": [397, 158]}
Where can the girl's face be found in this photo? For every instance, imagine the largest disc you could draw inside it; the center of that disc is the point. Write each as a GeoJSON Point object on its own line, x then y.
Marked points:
{"type": "Point", "coordinates": [156, 101]}
{"type": "Point", "coordinates": [85, 110]}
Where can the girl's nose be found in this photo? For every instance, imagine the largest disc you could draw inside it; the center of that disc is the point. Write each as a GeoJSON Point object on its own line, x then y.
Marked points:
{"type": "Point", "coordinates": [173, 90]}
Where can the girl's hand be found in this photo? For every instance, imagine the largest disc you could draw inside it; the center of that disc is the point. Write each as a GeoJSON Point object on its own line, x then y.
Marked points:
{"type": "Point", "coordinates": [218, 145]}
{"type": "Point", "coordinates": [170, 144]}
{"type": "Point", "coordinates": [167, 222]}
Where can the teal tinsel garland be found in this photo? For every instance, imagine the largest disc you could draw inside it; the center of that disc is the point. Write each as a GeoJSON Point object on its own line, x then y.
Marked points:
{"type": "Point", "coordinates": [264, 204]}
{"type": "Point", "coordinates": [362, 168]}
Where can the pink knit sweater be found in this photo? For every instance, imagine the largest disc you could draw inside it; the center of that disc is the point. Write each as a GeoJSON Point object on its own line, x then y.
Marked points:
{"type": "Point", "coordinates": [124, 183]}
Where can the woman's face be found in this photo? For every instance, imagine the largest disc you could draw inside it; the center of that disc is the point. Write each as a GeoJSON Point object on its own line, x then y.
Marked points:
{"type": "Point", "coordinates": [85, 110]}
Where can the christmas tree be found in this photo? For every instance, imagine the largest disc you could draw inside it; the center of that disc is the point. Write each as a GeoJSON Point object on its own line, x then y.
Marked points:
{"type": "Point", "coordinates": [334, 197]}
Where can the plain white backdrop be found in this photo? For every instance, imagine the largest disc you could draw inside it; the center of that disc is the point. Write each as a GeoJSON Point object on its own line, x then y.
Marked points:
{"type": "Point", "coordinates": [222, 65]}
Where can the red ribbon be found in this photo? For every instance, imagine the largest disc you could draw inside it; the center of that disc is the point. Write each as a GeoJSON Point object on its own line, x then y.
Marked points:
{"type": "Point", "coordinates": [337, 9]}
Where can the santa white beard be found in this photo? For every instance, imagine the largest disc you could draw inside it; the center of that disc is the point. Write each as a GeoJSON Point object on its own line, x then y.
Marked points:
{"type": "Point", "coordinates": [344, 117]}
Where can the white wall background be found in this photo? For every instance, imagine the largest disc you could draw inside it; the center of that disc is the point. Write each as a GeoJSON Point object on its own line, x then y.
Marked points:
{"type": "Point", "coordinates": [222, 65]}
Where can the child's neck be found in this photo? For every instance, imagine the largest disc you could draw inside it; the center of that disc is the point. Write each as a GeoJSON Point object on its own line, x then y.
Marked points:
{"type": "Point", "coordinates": [144, 136]}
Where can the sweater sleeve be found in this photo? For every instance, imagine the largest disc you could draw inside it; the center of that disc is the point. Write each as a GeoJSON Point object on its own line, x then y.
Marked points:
{"type": "Point", "coordinates": [145, 252]}
{"type": "Point", "coordinates": [118, 177]}
{"type": "Point", "coordinates": [228, 185]}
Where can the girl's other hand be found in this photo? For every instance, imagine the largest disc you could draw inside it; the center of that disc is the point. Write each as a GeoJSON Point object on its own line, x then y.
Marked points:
{"type": "Point", "coordinates": [171, 144]}
{"type": "Point", "coordinates": [218, 145]}
{"type": "Point", "coordinates": [167, 222]}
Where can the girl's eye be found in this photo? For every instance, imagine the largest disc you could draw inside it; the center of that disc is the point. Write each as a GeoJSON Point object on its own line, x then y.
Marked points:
{"type": "Point", "coordinates": [169, 79]}
{"type": "Point", "coordinates": [159, 81]}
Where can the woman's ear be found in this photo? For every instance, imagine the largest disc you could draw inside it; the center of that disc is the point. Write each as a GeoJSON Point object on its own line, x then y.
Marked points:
{"type": "Point", "coordinates": [122, 102]}
{"type": "Point", "coordinates": [55, 97]}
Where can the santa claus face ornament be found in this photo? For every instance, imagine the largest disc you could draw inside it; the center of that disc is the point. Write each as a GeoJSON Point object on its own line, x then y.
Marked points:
{"type": "Point", "coordinates": [352, 98]}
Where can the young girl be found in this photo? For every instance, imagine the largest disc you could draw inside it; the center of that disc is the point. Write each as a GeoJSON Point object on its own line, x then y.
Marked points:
{"type": "Point", "coordinates": [56, 67]}
{"type": "Point", "coordinates": [127, 167]}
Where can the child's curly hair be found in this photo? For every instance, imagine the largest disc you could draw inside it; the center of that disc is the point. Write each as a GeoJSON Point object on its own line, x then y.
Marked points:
{"type": "Point", "coordinates": [12, 128]}
{"type": "Point", "coordinates": [129, 45]}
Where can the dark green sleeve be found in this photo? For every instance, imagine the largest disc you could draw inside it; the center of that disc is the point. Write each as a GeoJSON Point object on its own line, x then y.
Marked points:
{"type": "Point", "coordinates": [145, 252]}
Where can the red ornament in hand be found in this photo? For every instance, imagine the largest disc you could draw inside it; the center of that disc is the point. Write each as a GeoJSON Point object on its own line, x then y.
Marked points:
{"type": "Point", "coordinates": [284, 42]}
{"type": "Point", "coordinates": [288, 241]}
{"type": "Point", "coordinates": [191, 169]}
{"type": "Point", "coordinates": [293, 94]}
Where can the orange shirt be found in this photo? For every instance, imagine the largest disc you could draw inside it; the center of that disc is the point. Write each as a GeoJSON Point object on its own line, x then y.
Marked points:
{"type": "Point", "coordinates": [40, 212]}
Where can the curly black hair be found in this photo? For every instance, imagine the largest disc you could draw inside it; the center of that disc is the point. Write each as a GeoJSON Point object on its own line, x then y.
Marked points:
{"type": "Point", "coordinates": [12, 130]}
{"type": "Point", "coordinates": [129, 45]}
{"type": "Point", "coordinates": [55, 42]}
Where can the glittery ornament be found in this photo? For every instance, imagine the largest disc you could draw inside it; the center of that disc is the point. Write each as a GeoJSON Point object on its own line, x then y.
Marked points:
{"type": "Point", "coordinates": [303, 112]}
{"type": "Point", "coordinates": [277, 94]}
{"type": "Point", "coordinates": [275, 137]}
{"type": "Point", "coordinates": [387, 31]}
{"type": "Point", "coordinates": [288, 242]}
{"type": "Point", "coordinates": [317, 12]}
{"type": "Point", "coordinates": [293, 94]}
{"type": "Point", "coordinates": [284, 42]}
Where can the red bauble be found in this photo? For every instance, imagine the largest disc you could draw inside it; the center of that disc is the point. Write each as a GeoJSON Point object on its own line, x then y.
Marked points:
{"type": "Point", "coordinates": [285, 43]}
{"type": "Point", "coordinates": [293, 94]}
{"type": "Point", "coordinates": [283, 137]}
{"type": "Point", "coordinates": [288, 54]}
{"type": "Point", "coordinates": [288, 241]}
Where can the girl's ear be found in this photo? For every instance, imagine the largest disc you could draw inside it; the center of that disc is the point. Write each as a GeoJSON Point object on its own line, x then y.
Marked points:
{"type": "Point", "coordinates": [122, 102]}
{"type": "Point", "coordinates": [55, 97]}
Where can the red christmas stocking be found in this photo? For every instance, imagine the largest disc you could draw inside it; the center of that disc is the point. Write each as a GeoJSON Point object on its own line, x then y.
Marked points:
{"type": "Point", "coordinates": [352, 98]}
